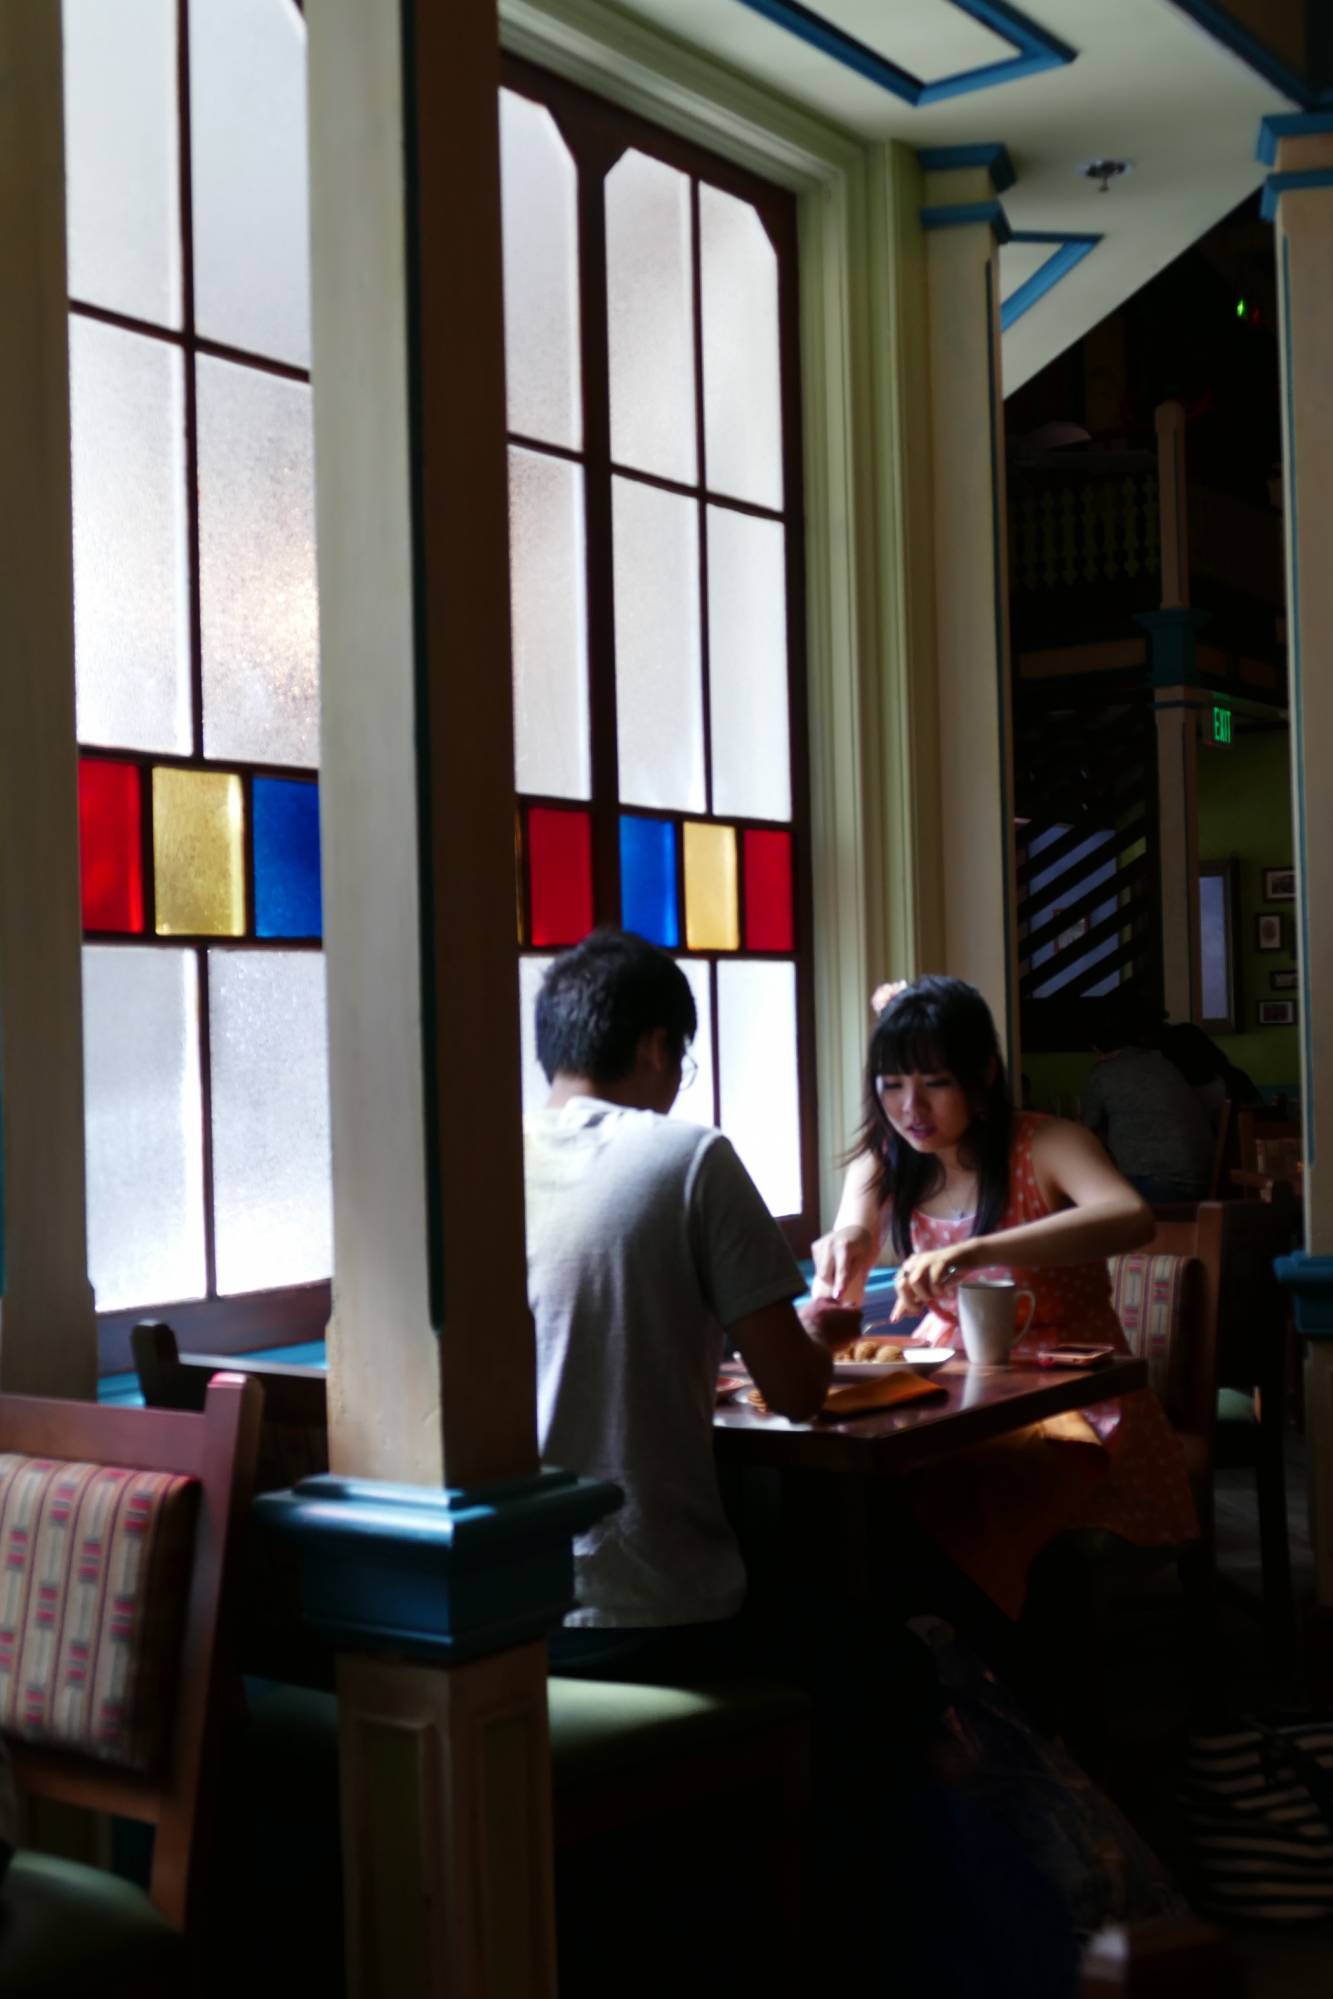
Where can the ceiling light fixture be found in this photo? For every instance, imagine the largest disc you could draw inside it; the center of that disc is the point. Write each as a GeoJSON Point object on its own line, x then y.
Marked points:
{"type": "Point", "coordinates": [1105, 171]}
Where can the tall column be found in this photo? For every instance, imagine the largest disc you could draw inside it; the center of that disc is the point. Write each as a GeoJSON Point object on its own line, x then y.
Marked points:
{"type": "Point", "coordinates": [442, 1694]}
{"type": "Point", "coordinates": [965, 223]}
{"type": "Point", "coordinates": [1298, 198]}
{"type": "Point", "coordinates": [48, 1341]}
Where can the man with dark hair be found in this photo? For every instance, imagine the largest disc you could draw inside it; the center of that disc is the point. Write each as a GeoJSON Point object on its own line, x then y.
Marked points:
{"type": "Point", "coordinates": [647, 1242]}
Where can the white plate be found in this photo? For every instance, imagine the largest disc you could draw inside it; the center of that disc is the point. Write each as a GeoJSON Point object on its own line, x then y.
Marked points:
{"type": "Point", "coordinates": [869, 1370]}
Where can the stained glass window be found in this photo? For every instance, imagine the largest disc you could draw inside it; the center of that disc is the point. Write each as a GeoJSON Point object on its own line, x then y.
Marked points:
{"type": "Point", "coordinates": [196, 659]}
{"type": "Point", "coordinates": [655, 536]}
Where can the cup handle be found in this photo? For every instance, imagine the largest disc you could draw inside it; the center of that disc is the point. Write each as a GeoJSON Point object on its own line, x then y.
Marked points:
{"type": "Point", "coordinates": [1031, 1297]}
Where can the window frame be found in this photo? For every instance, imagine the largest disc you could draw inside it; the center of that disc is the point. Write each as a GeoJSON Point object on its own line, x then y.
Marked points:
{"type": "Point", "coordinates": [234, 1322]}
{"type": "Point", "coordinates": [597, 132]}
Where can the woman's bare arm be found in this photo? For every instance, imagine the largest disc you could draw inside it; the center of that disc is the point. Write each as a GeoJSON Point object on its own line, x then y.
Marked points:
{"type": "Point", "coordinates": [845, 1256]}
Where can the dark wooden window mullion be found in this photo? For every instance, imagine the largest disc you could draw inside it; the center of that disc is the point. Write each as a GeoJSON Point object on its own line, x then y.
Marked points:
{"type": "Point", "coordinates": [206, 1128]}
{"type": "Point", "coordinates": [191, 387]}
{"type": "Point", "coordinates": [218, 350]}
{"type": "Point", "coordinates": [594, 164]}
{"type": "Point", "coordinates": [705, 685]}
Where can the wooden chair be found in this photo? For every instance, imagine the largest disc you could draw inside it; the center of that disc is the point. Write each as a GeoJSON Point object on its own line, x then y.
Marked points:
{"type": "Point", "coordinates": [119, 1526]}
{"type": "Point", "coordinates": [272, 1638]}
{"type": "Point", "coordinates": [1217, 1178]}
{"type": "Point", "coordinates": [1167, 1297]}
{"type": "Point", "coordinates": [294, 1435]}
{"type": "Point", "coordinates": [1161, 1959]}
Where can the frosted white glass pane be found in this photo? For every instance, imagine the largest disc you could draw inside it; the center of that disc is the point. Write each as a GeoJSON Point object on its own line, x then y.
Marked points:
{"type": "Point", "coordinates": [659, 691]}
{"type": "Point", "coordinates": [695, 1105]}
{"type": "Point", "coordinates": [549, 636]}
{"type": "Point", "coordinates": [539, 193]}
{"type": "Point", "coordinates": [122, 171]}
{"type": "Point", "coordinates": [143, 1122]}
{"type": "Point", "coordinates": [251, 192]}
{"type": "Point", "coordinates": [272, 1192]}
{"type": "Point", "coordinates": [131, 597]}
{"type": "Point", "coordinates": [649, 286]}
{"type": "Point", "coordinates": [257, 566]}
{"type": "Point", "coordinates": [756, 1034]}
{"type": "Point", "coordinates": [536, 1089]}
{"type": "Point", "coordinates": [747, 654]}
{"type": "Point", "coordinates": [742, 399]}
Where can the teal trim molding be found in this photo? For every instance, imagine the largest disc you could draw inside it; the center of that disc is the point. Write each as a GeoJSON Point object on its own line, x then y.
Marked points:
{"type": "Point", "coordinates": [957, 215]}
{"type": "Point", "coordinates": [1296, 690]}
{"type": "Point", "coordinates": [1172, 639]}
{"type": "Point", "coordinates": [1223, 26]}
{"type": "Point", "coordinates": [1035, 49]}
{"type": "Point", "coordinates": [1279, 184]}
{"type": "Point", "coordinates": [437, 1576]}
{"type": "Point", "coordinates": [1310, 1282]}
{"type": "Point", "coordinates": [1068, 251]}
{"type": "Point", "coordinates": [956, 159]}
{"type": "Point", "coordinates": [1289, 125]}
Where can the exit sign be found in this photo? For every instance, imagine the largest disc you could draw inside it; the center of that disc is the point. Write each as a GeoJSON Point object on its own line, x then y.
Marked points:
{"type": "Point", "coordinates": [1221, 730]}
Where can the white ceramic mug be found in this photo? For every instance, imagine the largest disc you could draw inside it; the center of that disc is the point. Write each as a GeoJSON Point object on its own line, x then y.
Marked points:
{"type": "Point", "coordinates": [987, 1315]}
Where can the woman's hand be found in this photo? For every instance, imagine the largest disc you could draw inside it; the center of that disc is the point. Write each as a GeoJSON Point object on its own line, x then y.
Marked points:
{"type": "Point", "coordinates": [924, 1275]}
{"type": "Point", "coordinates": [886, 994]}
{"type": "Point", "coordinates": [843, 1260]}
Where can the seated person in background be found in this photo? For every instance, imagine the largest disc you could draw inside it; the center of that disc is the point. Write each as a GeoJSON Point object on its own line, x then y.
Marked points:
{"type": "Point", "coordinates": [1213, 1079]}
{"type": "Point", "coordinates": [647, 1243]}
{"type": "Point", "coordinates": [1152, 1123]}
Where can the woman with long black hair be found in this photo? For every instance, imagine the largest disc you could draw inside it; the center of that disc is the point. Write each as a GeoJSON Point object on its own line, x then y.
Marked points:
{"type": "Point", "coordinates": [961, 1183]}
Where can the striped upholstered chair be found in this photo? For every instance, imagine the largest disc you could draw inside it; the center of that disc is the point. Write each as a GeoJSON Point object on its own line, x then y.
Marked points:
{"type": "Point", "coordinates": [115, 1528]}
{"type": "Point", "coordinates": [1166, 1297]}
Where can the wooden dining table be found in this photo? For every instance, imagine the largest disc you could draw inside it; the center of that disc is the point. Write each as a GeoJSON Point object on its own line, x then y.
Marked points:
{"type": "Point", "coordinates": [974, 1404]}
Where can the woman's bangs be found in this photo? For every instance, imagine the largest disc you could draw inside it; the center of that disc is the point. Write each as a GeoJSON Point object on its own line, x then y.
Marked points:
{"type": "Point", "coordinates": [909, 1048]}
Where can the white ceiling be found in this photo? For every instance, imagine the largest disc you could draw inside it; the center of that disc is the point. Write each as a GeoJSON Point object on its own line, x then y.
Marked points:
{"type": "Point", "coordinates": [1147, 84]}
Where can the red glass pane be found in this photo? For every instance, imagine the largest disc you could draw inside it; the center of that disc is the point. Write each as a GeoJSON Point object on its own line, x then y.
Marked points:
{"type": "Point", "coordinates": [110, 854]}
{"type": "Point", "coordinates": [768, 915]}
{"type": "Point", "coordinates": [559, 875]}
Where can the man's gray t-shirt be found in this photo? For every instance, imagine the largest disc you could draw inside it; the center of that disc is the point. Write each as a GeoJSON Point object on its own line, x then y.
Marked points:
{"type": "Point", "coordinates": [1153, 1124]}
{"type": "Point", "coordinates": [646, 1237]}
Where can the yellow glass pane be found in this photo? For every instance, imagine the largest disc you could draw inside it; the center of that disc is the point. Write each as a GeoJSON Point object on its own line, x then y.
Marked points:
{"type": "Point", "coordinates": [712, 920]}
{"type": "Point", "coordinates": [198, 864]}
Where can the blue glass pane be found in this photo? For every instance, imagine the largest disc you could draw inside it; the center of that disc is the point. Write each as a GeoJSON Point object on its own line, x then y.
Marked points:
{"type": "Point", "coordinates": [648, 879]}
{"type": "Point", "coordinates": [286, 822]}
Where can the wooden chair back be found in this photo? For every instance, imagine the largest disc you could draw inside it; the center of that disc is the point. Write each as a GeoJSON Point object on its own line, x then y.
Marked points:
{"type": "Point", "coordinates": [1268, 1144]}
{"type": "Point", "coordinates": [217, 1447]}
{"type": "Point", "coordinates": [1191, 1229]}
{"type": "Point", "coordinates": [293, 1440]}
{"type": "Point", "coordinates": [1217, 1178]}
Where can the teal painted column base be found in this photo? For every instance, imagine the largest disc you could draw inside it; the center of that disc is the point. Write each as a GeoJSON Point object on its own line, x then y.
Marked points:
{"type": "Point", "coordinates": [1310, 1282]}
{"type": "Point", "coordinates": [431, 1575]}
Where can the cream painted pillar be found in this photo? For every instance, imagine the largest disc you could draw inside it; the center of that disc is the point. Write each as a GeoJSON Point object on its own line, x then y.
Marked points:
{"type": "Point", "coordinates": [964, 222]}
{"type": "Point", "coordinates": [48, 1340]}
{"type": "Point", "coordinates": [1299, 199]}
{"type": "Point", "coordinates": [446, 1779]}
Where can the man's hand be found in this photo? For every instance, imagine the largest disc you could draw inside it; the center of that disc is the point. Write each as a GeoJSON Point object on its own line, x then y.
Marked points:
{"type": "Point", "coordinates": [833, 1324]}
{"type": "Point", "coordinates": [843, 1260]}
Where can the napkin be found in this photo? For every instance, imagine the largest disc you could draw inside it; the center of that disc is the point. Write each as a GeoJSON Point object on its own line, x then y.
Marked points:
{"type": "Point", "coordinates": [857, 1398]}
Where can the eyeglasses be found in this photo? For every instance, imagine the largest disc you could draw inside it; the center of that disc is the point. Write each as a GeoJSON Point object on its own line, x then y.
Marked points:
{"type": "Point", "coordinates": [689, 1069]}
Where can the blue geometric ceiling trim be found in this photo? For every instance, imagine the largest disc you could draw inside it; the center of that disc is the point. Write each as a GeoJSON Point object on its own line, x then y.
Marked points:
{"type": "Point", "coordinates": [1289, 125]}
{"type": "Point", "coordinates": [1070, 250]}
{"type": "Point", "coordinates": [1279, 184]}
{"type": "Point", "coordinates": [1035, 49]}
{"type": "Point", "coordinates": [962, 214]}
{"type": "Point", "coordinates": [1225, 28]}
{"type": "Point", "coordinates": [951, 159]}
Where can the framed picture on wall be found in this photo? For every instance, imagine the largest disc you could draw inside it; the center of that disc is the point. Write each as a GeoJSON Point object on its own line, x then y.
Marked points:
{"type": "Point", "coordinates": [1219, 947]}
{"type": "Point", "coordinates": [1284, 982]}
{"type": "Point", "coordinates": [1279, 884]}
{"type": "Point", "coordinates": [1267, 932]}
{"type": "Point", "coordinates": [1277, 1013]}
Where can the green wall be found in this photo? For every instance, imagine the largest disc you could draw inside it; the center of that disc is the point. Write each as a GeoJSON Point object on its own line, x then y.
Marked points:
{"type": "Point", "coordinates": [1245, 812]}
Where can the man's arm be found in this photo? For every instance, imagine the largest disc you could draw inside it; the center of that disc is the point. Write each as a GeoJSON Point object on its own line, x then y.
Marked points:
{"type": "Point", "coordinates": [791, 1368]}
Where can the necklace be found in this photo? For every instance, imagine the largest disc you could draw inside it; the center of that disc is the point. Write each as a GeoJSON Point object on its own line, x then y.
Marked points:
{"type": "Point", "coordinates": [959, 1213]}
